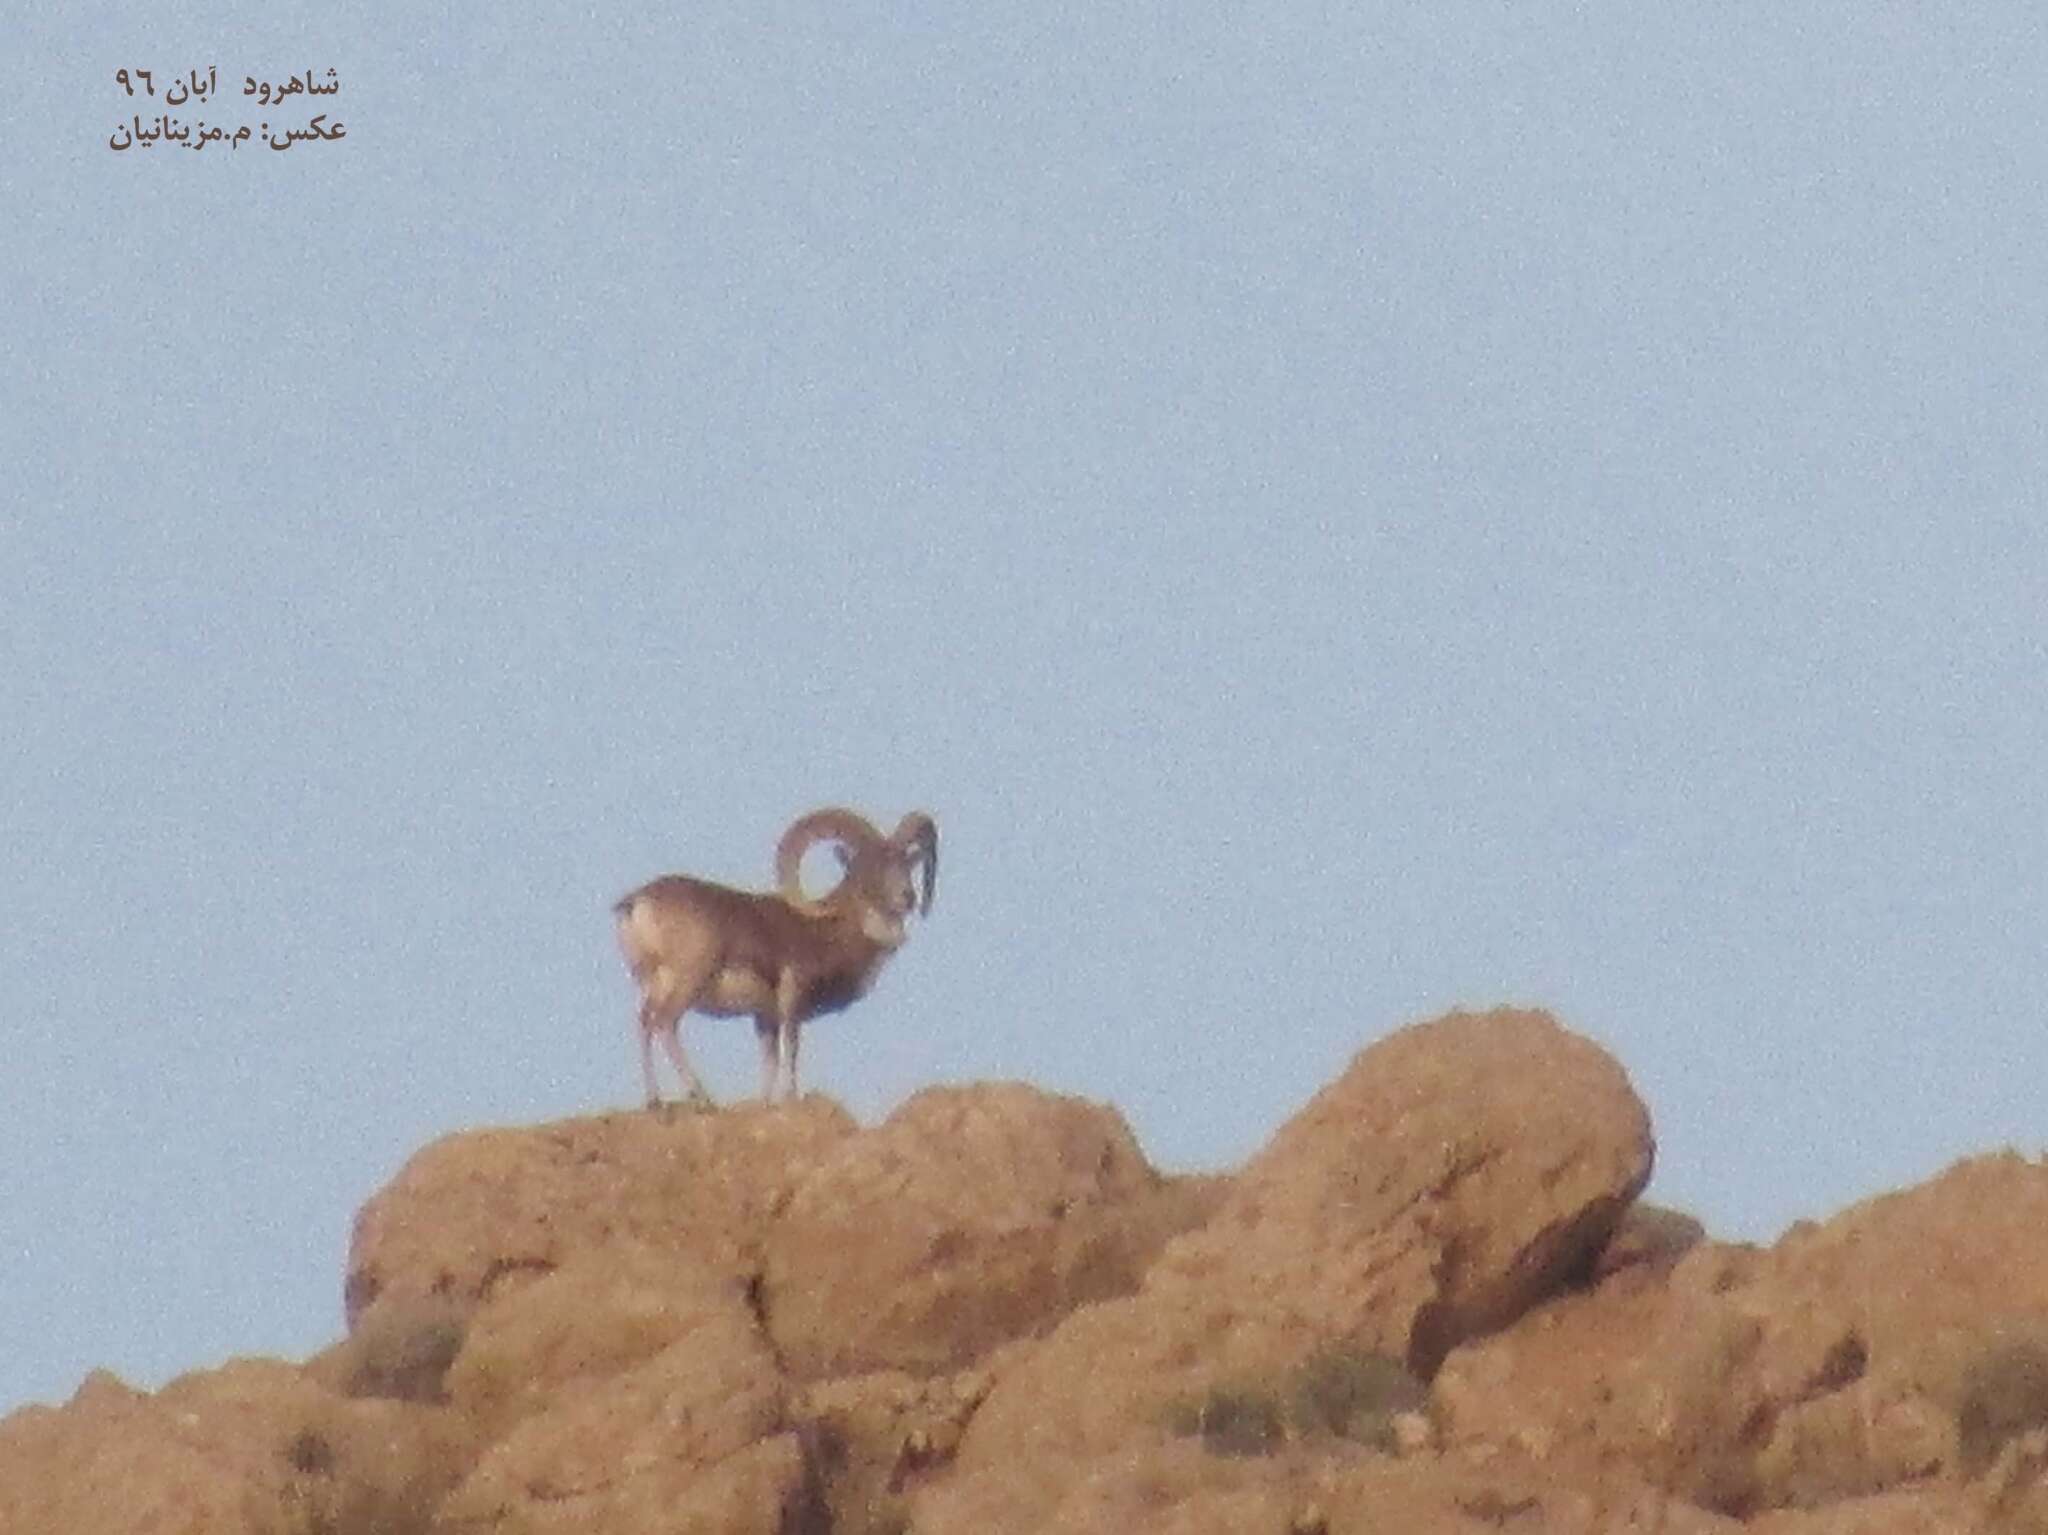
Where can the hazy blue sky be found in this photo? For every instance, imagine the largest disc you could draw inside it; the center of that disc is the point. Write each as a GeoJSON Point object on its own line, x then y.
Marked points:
{"type": "Point", "coordinates": [1338, 515]}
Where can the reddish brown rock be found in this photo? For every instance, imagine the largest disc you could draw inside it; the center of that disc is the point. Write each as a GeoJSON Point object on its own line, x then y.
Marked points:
{"type": "Point", "coordinates": [1421, 1307]}
{"type": "Point", "coordinates": [880, 1438]}
{"type": "Point", "coordinates": [400, 1350]}
{"type": "Point", "coordinates": [110, 1459]}
{"type": "Point", "coordinates": [695, 1437]}
{"type": "Point", "coordinates": [1641, 1377]}
{"type": "Point", "coordinates": [1921, 1511]}
{"type": "Point", "coordinates": [1905, 1340]}
{"type": "Point", "coordinates": [599, 1316]}
{"type": "Point", "coordinates": [970, 1216]}
{"type": "Point", "coordinates": [1455, 1173]}
{"type": "Point", "coordinates": [1649, 1234]}
{"type": "Point", "coordinates": [479, 1211]}
{"type": "Point", "coordinates": [1111, 1378]}
{"type": "Point", "coordinates": [255, 1446]}
{"type": "Point", "coordinates": [1180, 1489]}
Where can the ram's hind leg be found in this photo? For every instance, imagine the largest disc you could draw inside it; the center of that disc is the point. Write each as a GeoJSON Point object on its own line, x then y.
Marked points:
{"type": "Point", "coordinates": [647, 1060]}
{"type": "Point", "coordinates": [693, 1089]}
{"type": "Point", "coordinates": [664, 999]}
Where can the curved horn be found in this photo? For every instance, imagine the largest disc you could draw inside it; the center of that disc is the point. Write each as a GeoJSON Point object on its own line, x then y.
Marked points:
{"type": "Point", "coordinates": [829, 825]}
{"type": "Point", "coordinates": [916, 838]}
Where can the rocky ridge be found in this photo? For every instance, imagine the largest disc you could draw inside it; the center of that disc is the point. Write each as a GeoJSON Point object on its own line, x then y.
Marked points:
{"type": "Point", "coordinates": [1430, 1303]}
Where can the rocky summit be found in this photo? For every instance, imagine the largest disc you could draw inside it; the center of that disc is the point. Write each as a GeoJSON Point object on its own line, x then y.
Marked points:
{"type": "Point", "coordinates": [1430, 1303]}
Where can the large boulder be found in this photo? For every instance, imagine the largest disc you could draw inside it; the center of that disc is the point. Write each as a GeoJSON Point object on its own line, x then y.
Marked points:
{"type": "Point", "coordinates": [1902, 1341]}
{"type": "Point", "coordinates": [881, 1437]}
{"type": "Point", "coordinates": [615, 1303]}
{"type": "Point", "coordinates": [970, 1216]}
{"type": "Point", "coordinates": [694, 1437]}
{"type": "Point", "coordinates": [1640, 1377]}
{"type": "Point", "coordinates": [596, 1318]}
{"type": "Point", "coordinates": [1455, 1175]}
{"type": "Point", "coordinates": [476, 1212]}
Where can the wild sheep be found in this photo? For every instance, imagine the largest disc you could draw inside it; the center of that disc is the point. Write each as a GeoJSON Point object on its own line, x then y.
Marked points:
{"type": "Point", "coordinates": [780, 956]}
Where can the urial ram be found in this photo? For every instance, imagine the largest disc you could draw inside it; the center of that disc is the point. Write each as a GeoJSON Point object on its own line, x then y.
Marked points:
{"type": "Point", "coordinates": [780, 956]}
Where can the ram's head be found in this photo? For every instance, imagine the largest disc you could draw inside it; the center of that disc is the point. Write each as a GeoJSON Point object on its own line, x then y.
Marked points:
{"type": "Point", "coordinates": [888, 878]}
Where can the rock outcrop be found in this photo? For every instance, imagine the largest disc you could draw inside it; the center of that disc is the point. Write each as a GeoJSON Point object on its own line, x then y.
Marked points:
{"type": "Point", "coordinates": [251, 1448]}
{"type": "Point", "coordinates": [968, 1217]}
{"type": "Point", "coordinates": [476, 1213]}
{"type": "Point", "coordinates": [1903, 1342]}
{"type": "Point", "coordinates": [1430, 1303]}
{"type": "Point", "coordinates": [1454, 1175]}
{"type": "Point", "coordinates": [1457, 1173]}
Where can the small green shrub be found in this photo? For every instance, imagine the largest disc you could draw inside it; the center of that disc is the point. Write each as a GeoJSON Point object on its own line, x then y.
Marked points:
{"type": "Point", "coordinates": [1346, 1392]}
{"type": "Point", "coordinates": [1354, 1394]}
{"type": "Point", "coordinates": [1231, 1420]}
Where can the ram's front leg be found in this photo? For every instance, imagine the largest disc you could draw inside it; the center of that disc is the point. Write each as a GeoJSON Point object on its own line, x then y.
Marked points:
{"type": "Point", "coordinates": [792, 1037]}
{"type": "Point", "coordinates": [789, 999]}
{"type": "Point", "coordinates": [778, 1031]}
